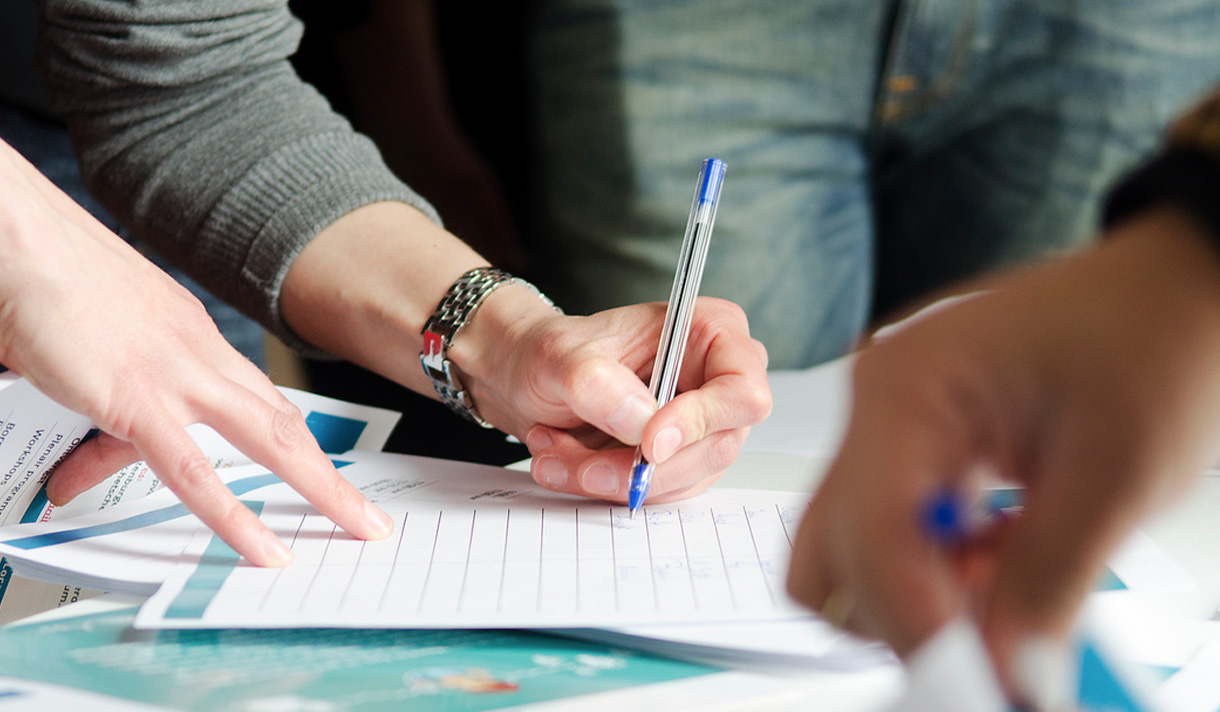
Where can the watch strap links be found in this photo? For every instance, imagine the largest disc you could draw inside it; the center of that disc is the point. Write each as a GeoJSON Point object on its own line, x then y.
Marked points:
{"type": "Point", "coordinates": [452, 313]}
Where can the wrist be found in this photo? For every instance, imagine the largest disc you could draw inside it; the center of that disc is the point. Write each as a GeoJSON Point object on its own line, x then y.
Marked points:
{"type": "Point", "coordinates": [363, 288]}
{"type": "Point", "coordinates": [476, 324]}
{"type": "Point", "coordinates": [1173, 248]}
{"type": "Point", "coordinates": [502, 320]}
{"type": "Point", "coordinates": [1163, 272]}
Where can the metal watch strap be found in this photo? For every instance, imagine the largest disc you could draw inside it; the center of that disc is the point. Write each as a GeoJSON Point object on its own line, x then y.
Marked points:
{"type": "Point", "coordinates": [452, 313]}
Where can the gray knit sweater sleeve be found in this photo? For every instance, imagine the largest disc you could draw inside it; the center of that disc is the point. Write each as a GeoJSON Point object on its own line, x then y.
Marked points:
{"type": "Point", "coordinates": [192, 128]}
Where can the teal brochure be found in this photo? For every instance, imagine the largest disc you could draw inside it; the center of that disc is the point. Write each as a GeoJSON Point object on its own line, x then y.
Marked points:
{"type": "Point", "coordinates": [357, 670]}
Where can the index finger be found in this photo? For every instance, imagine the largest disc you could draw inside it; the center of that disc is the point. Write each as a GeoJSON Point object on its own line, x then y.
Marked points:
{"type": "Point", "coordinates": [182, 467]}
{"type": "Point", "coordinates": [277, 437]}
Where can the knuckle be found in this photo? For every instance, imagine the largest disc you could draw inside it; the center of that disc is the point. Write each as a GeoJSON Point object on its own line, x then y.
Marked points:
{"type": "Point", "coordinates": [584, 376]}
{"type": "Point", "coordinates": [199, 313]}
{"type": "Point", "coordinates": [336, 491]}
{"type": "Point", "coordinates": [727, 313]}
{"type": "Point", "coordinates": [761, 349]}
{"type": "Point", "coordinates": [757, 404]}
{"type": "Point", "coordinates": [734, 311]}
{"type": "Point", "coordinates": [190, 305]}
{"type": "Point", "coordinates": [287, 428]}
{"type": "Point", "coordinates": [120, 413]}
{"type": "Point", "coordinates": [232, 518]}
{"type": "Point", "coordinates": [194, 472]}
{"type": "Point", "coordinates": [185, 312]}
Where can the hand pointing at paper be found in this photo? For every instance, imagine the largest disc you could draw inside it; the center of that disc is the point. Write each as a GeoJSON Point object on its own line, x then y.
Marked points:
{"type": "Point", "coordinates": [99, 328]}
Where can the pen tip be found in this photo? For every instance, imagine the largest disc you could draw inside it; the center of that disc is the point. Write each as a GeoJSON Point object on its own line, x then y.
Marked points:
{"type": "Point", "coordinates": [633, 513]}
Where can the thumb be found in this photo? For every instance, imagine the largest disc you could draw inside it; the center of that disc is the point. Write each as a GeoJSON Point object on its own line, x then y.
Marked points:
{"type": "Point", "coordinates": [604, 393]}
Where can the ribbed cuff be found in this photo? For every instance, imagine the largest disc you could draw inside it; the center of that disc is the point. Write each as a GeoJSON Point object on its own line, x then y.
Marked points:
{"type": "Point", "coordinates": [260, 226]}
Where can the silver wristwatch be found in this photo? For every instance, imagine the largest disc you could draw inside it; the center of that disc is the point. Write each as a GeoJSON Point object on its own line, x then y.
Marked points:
{"type": "Point", "coordinates": [452, 313]}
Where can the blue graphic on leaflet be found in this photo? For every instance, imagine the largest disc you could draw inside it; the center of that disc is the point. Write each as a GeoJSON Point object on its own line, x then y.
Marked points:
{"type": "Point", "coordinates": [6, 575]}
{"type": "Point", "coordinates": [327, 669]}
{"type": "Point", "coordinates": [33, 513]}
{"type": "Point", "coordinates": [146, 519]}
{"type": "Point", "coordinates": [238, 487]}
{"type": "Point", "coordinates": [156, 516]}
{"type": "Point", "coordinates": [214, 567]}
{"type": "Point", "coordinates": [1101, 688]}
{"type": "Point", "coordinates": [334, 433]}
{"type": "Point", "coordinates": [1109, 581]}
{"type": "Point", "coordinates": [139, 521]}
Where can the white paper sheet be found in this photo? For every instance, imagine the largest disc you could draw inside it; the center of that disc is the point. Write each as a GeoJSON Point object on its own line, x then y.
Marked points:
{"type": "Point", "coordinates": [952, 673]}
{"type": "Point", "coordinates": [799, 645]}
{"type": "Point", "coordinates": [483, 547]}
{"type": "Point", "coordinates": [35, 434]}
{"type": "Point", "coordinates": [1196, 687]}
{"type": "Point", "coordinates": [1143, 567]}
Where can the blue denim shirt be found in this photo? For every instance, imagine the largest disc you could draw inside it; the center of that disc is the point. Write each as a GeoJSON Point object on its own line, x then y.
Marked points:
{"type": "Point", "coordinates": [877, 150]}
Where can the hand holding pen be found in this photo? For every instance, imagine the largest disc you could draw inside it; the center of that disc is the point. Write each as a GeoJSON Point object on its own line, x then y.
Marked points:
{"type": "Point", "coordinates": [595, 404]}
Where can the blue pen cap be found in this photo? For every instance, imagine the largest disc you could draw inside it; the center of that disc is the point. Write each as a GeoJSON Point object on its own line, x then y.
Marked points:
{"type": "Point", "coordinates": [713, 177]}
{"type": "Point", "coordinates": [943, 518]}
{"type": "Point", "coordinates": [949, 518]}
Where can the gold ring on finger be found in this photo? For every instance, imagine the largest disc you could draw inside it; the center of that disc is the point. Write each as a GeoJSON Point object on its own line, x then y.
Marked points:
{"type": "Point", "coordinates": [837, 608]}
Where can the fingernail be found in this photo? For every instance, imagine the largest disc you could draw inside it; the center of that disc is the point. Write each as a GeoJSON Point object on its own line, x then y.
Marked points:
{"type": "Point", "coordinates": [550, 472]}
{"type": "Point", "coordinates": [274, 551]}
{"type": "Point", "coordinates": [538, 439]}
{"type": "Point", "coordinates": [631, 417]}
{"type": "Point", "coordinates": [1040, 674]}
{"type": "Point", "coordinates": [381, 523]}
{"type": "Point", "coordinates": [665, 444]}
{"type": "Point", "coordinates": [600, 479]}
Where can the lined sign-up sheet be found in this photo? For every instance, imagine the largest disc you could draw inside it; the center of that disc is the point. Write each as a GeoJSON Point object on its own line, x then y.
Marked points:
{"type": "Point", "coordinates": [470, 551]}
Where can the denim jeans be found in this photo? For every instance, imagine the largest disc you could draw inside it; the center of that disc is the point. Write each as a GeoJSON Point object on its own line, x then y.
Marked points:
{"type": "Point", "coordinates": [876, 149]}
{"type": "Point", "coordinates": [45, 144]}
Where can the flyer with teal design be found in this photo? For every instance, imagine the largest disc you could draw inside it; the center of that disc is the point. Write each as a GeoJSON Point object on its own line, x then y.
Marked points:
{"type": "Point", "coordinates": [323, 670]}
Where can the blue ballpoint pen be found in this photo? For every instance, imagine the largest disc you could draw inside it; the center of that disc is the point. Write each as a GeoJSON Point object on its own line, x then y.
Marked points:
{"type": "Point", "coordinates": [951, 519]}
{"type": "Point", "coordinates": [681, 307]}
